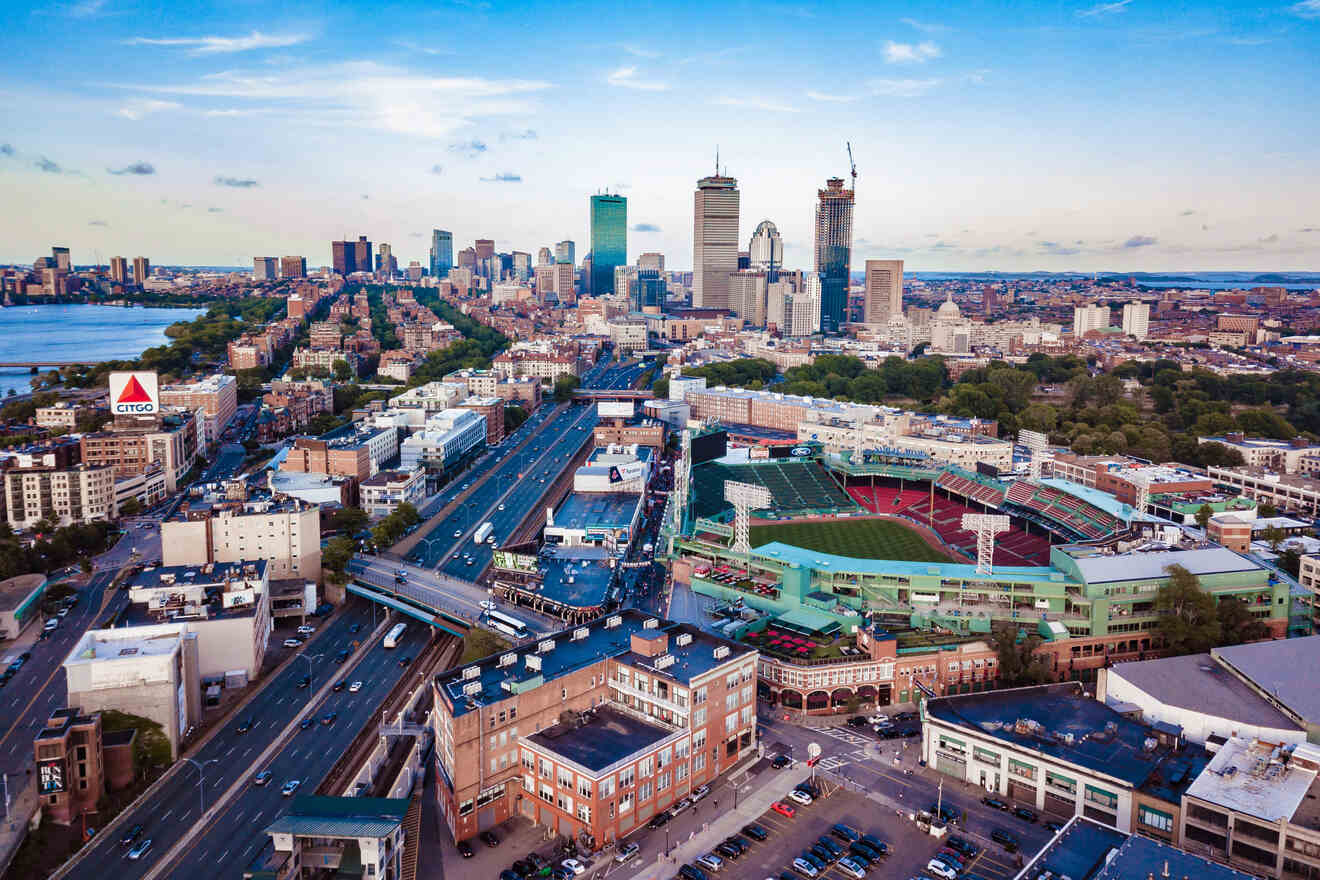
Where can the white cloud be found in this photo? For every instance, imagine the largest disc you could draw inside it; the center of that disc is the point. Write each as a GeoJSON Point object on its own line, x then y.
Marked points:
{"type": "Point", "coordinates": [638, 51]}
{"type": "Point", "coordinates": [627, 78]}
{"type": "Point", "coordinates": [1104, 9]}
{"type": "Point", "coordinates": [140, 107]}
{"type": "Point", "coordinates": [926, 27]}
{"type": "Point", "coordinates": [1306, 9]}
{"type": "Point", "coordinates": [910, 53]}
{"type": "Point", "coordinates": [750, 104]}
{"type": "Point", "coordinates": [366, 94]}
{"type": "Point", "coordinates": [831, 98]}
{"type": "Point", "coordinates": [217, 45]}
{"type": "Point", "coordinates": [901, 88]}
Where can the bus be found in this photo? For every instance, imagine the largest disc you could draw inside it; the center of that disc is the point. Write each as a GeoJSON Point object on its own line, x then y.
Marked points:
{"type": "Point", "coordinates": [509, 626]}
{"type": "Point", "coordinates": [396, 632]}
{"type": "Point", "coordinates": [483, 532]}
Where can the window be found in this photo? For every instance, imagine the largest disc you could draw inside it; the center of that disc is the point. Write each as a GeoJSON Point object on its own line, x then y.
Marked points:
{"type": "Point", "coordinates": [1060, 782]}
{"type": "Point", "coordinates": [698, 740]}
{"type": "Point", "coordinates": [565, 778]}
{"type": "Point", "coordinates": [626, 778]}
{"type": "Point", "coordinates": [527, 760]}
{"type": "Point", "coordinates": [625, 802]}
{"type": "Point", "coordinates": [529, 785]}
{"type": "Point", "coordinates": [584, 787]}
{"type": "Point", "coordinates": [1017, 768]}
{"type": "Point", "coordinates": [646, 767]}
{"type": "Point", "coordinates": [544, 768]}
{"type": "Point", "coordinates": [747, 694]}
{"type": "Point", "coordinates": [730, 722]}
{"type": "Point", "coordinates": [464, 808]}
{"type": "Point", "coordinates": [547, 793]}
{"type": "Point", "coordinates": [584, 813]}
{"type": "Point", "coordinates": [663, 759]}
{"type": "Point", "coordinates": [1153, 818]}
{"type": "Point", "coordinates": [644, 791]}
{"type": "Point", "coordinates": [681, 773]}
{"type": "Point", "coordinates": [699, 717]}
{"type": "Point", "coordinates": [699, 762]}
{"type": "Point", "coordinates": [662, 782]}
{"type": "Point", "coordinates": [699, 696]}
{"type": "Point", "coordinates": [748, 713]}
{"type": "Point", "coordinates": [1101, 798]}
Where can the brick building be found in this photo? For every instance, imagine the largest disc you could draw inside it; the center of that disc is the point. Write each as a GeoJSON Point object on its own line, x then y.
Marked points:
{"type": "Point", "coordinates": [492, 410]}
{"type": "Point", "coordinates": [76, 762]}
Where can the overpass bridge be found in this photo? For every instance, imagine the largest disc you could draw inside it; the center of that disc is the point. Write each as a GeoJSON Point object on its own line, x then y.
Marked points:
{"type": "Point", "coordinates": [23, 365]}
{"type": "Point", "coordinates": [594, 394]}
{"type": "Point", "coordinates": [413, 607]}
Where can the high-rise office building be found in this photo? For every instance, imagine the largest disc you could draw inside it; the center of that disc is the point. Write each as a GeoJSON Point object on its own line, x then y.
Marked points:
{"type": "Point", "coordinates": [544, 257]}
{"type": "Point", "coordinates": [347, 257]}
{"type": "Point", "coordinates": [442, 253]}
{"type": "Point", "coordinates": [766, 250]}
{"type": "Point", "coordinates": [119, 270]}
{"type": "Point", "coordinates": [715, 207]}
{"type": "Point", "coordinates": [141, 270]}
{"type": "Point", "coordinates": [651, 260]}
{"type": "Point", "coordinates": [1136, 319]}
{"type": "Point", "coordinates": [1089, 317]}
{"type": "Point", "coordinates": [747, 296]}
{"type": "Point", "coordinates": [522, 265]}
{"type": "Point", "coordinates": [650, 290]}
{"type": "Point", "coordinates": [467, 259]}
{"type": "Point", "coordinates": [884, 291]}
{"type": "Point", "coordinates": [263, 269]}
{"type": "Point", "coordinates": [564, 288]}
{"type": "Point", "coordinates": [609, 240]}
{"type": "Point", "coordinates": [623, 281]}
{"type": "Point", "coordinates": [834, 219]}
{"type": "Point", "coordinates": [566, 252]}
{"type": "Point", "coordinates": [62, 259]}
{"type": "Point", "coordinates": [293, 267]}
{"type": "Point", "coordinates": [362, 253]}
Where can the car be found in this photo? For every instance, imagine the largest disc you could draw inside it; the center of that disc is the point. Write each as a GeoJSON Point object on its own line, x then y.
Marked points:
{"type": "Point", "coordinates": [825, 856]}
{"type": "Point", "coordinates": [710, 862]}
{"type": "Point", "coordinates": [679, 807]}
{"type": "Point", "coordinates": [1026, 814]}
{"type": "Point", "coordinates": [851, 867]}
{"type": "Point", "coordinates": [941, 870]}
{"type": "Point", "coordinates": [951, 858]}
{"type": "Point", "coordinates": [306, 722]}
{"type": "Point", "coordinates": [506, 874]}
{"type": "Point", "coordinates": [805, 868]}
{"type": "Point", "coordinates": [458, 533]}
{"type": "Point", "coordinates": [946, 812]}
{"type": "Point", "coordinates": [329, 718]}
{"type": "Point", "coordinates": [728, 850]}
{"type": "Point", "coordinates": [627, 853]}
{"type": "Point", "coordinates": [306, 629]}
{"type": "Point", "coordinates": [262, 778]}
{"type": "Point", "coordinates": [783, 809]}
{"type": "Point", "coordinates": [290, 787]}
{"type": "Point", "coordinates": [131, 835]}
{"type": "Point", "coordinates": [51, 624]}
{"type": "Point", "coordinates": [405, 659]}
{"type": "Point", "coordinates": [781, 761]}
{"type": "Point", "coordinates": [339, 686]}
{"type": "Point", "coordinates": [293, 643]}
{"type": "Point", "coordinates": [875, 843]}
{"type": "Point", "coordinates": [489, 839]}
{"type": "Point", "coordinates": [691, 872]}
{"type": "Point", "coordinates": [575, 866]}
{"type": "Point", "coordinates": [341, 656]}
{"type": "Point", "coordinates": [856, 721]}
{"type": "Point", "coordinates": [861, 850]}
{"type": "Point", "coordinates": [62, 613]}
{"type": "Point", "coordinates": [741, 843]}
{"type": "Point", "coordinates": [800, 797]}
{"type": "Point", "coordinates": [845, 833]}
{"type": "Point", "coordinates": [1004, 839]}
{"type": "Point", "coordinates": [355, 687]}
{"type": "Point", "coordinates": [755, 832]}
{"type": "Point", "coordinates": [559, 872]}
{"type": "Point", "coordinates": [962, 845]}
{"type": "Point", "coordinates": [809, 788]}
{"type": "Point", "coordinates": [141, 849]}
{"type": "Point", "coordinates": [304, 682]}
{"type": "Point", "coordinates": [1052, 826]}
{"type": "Point", "coordinates": [244, 726]}
{"type": "Point", "coordinates": [815, 861]}
{"type": "Point", "coordinates": [659, 819]}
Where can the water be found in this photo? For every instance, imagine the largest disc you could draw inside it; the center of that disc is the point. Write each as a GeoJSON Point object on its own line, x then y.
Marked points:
{"type": "Point", "coordinates": [75, 332]}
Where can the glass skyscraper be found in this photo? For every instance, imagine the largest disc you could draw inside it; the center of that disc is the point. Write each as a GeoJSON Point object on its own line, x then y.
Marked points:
{"type": "Point", "coordinates": [442, 253]}
{"type": "Point", "coordinates": [834, 216]}
{"type": "Point", "coordinates": [651, 289]}
{"type": "Point", "coordinates": [609, 240]}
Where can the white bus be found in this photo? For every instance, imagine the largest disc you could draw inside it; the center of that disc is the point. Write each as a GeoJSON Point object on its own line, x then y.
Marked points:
{"type": "Point", "coordinates": [510, 626]}
{"type": "Point", "coordinates": [483, 532]}
{"type": "Point", "coordinates": [396, 632]}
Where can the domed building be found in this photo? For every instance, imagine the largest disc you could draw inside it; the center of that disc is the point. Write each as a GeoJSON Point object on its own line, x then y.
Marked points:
{"type": "Point", "coordinates": [948, 311]}
{"type": "Point", "coordinates": [766, 251]}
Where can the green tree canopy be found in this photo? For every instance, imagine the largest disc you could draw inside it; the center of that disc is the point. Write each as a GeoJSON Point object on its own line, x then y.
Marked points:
{"type": "Point", "coordinates": [1189, 618]}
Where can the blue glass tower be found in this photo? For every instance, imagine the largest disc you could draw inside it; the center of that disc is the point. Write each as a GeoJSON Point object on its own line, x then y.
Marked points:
{"type": "Point", "coordinates": [442, 253]}
{"type": "Point", "coordinates": [609, 240]}
{"type": "Point", "coordinates": [834, 216]}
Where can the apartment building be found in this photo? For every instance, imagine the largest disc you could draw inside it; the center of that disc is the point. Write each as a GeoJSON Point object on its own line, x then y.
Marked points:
{"type": "Point", "coordinates": [76, 762]}
{"type": "Point", "coordinates": [491, 409]}
{"type": "Point", "coordinates": [592, 730]}
{"type": "Point", "coordinates": [170, 442]}
{"type": "Point", "coordinates": [214, 400]}
{"type": "Point", "coordinates": [36, 489]}
{"type": "Point", "coordinates": [1285, 456]}
{"type": "Point", "coordinates": [63, 415]}
{"type": "Point", "coordinates": [383, 493]}
{"type": "Point", "coordinates": [1288, 492]}
{"type": "Point", "coordinates": [249, 352]}
{"type": "Point", "coordinates": [323, 360]}
{"type": "Point", "coordinates": [547, 365]}
{"type": "Point", "coordinates": [285, 534]}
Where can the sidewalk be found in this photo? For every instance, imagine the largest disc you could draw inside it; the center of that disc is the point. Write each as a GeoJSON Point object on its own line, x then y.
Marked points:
{"type": "Point", "coordinates": [22, 806]}
{"type": "Point", "coordinates": [750, 806]}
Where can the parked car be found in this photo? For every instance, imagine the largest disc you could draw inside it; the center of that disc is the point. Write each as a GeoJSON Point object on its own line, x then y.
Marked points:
{"type": "Point", "coordinates": [800, 797]}
{"type": "Point", "coordinates": [691, 872]}
{"type": "Point", "coordinates": [845, 833]}
{"type": "Point", "coordinates": [710, 862]}
{"type": "Point", "coordinates": [875, 843]}
{"type": "Point", "coordinates": [942, 870]}
{"type": "Point", "coordinates": [699, 792]}
{"type": "Point", "coordinates": [755, 832]}
{"type": "Point", "coordinates": [805, 868]}
{"type": "Point", "coordinates": [728, 850]}
{"type": "Point", "coordinates": [995, 802]}
{"type": "Point", "coordinates": [489, 839]}
{"type": "Point", "coordinates": [856, 721]}
{"type": "Point", "coordinates": [946, 812]}
{"type": "Point", "coordinates": [1004, 839]}
{"type": "Point", "coordinates": [852, 868]}
{"type": "Point", "coordinates": [575, 866]}
{"type": "Point", "coordinates": [1026, 814]}
{"type": "Point", "coordinates": [962, 845]}
{"type": "Point", "coordinates": [781, 761]}
{"type": "Point", "coordinates": [626, 853]}
{"type": "Point", "coordinates": [658, 819]}
{"type": "Point", "coordinates": [783, 809]}
{"type": "Point", "coordinates": [465, 849]}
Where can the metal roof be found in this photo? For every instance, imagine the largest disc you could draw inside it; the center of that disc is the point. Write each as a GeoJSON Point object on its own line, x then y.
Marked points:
{"type": "Point", "coordinates": [1283, 668]}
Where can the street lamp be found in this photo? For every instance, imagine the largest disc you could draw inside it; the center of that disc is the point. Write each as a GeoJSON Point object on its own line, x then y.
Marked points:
{"type": "Point", "coordinates": [309, 658]}
{"type": "Point", "coordinates": [201, 780]}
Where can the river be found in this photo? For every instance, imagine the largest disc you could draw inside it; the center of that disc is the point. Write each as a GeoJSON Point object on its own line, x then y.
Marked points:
{"type": "Point", "coordinates": [76, 332]}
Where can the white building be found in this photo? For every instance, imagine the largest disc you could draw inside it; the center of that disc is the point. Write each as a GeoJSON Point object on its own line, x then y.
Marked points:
{"type": "Point", "coordinates": [286, 535]}
{"type": "Point", "coordinates": [383, 493]}
{"type": "Point", "coordinates": [448, 436]}
{"type": "Point", "coordinates": [1136, 319]}
{"type": "Point", "coordinates": [1089, 317]}
{"type": "Point", "coordinates": [37, 489]}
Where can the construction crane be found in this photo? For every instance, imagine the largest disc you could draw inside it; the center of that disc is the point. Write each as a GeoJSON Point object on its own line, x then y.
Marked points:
{"type": "Point", "coordinates": [852, 165]}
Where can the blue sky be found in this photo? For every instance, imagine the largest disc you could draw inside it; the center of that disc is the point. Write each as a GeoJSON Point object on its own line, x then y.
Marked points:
{"type": "Point", "coordinates": [1124, 135]}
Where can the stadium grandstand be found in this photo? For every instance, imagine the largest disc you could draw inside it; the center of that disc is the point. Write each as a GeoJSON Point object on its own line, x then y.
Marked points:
{"type": "Point", "coordinates": [800, 488]}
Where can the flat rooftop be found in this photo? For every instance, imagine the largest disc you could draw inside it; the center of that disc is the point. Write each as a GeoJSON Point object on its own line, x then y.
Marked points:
{"type": "Point", "coordinates": [787, 553]}
{"type": "Point", "coordinates": [318, 816]}
{"type": "Point", "coordinates": [606, 737]}
{"type": "Point", "coordinates": [197, 575]}
{"type": "Point", "coordinates": [604, 510]}
{"type": "Point", "coordinates": [1282, 668]}
{"type": "Point", "coordinates": [126, 644]}
{"type": "Point", "coordinates": [1259, 780]}
{"type": "Point", "coordinates": [1087, 850]}
{"type": "Point", "coordinates": [589, 571]}
{"type": "Point", "coordinates": [15, 591]}
{"type": "Point", "coordinates": [1145, 857]}
{"type": "Point", "coordinates": [1198, 683]}
{"type": "Point", "coordinates": [1045, 717]}
{"type": "Point", "coordinates": [1100, 568]}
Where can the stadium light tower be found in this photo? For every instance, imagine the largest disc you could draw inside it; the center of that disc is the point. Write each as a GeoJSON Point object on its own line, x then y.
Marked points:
{"type": "Point", "coordinates": [1036, 444]}
{"type": "Point", "coordinates": [745, 497]}
{"type": "Point", "coordinates": [1142, 484]}
{"type": "Point", "coordinates": [986, 526]}
{"type": "Point", "coordinates": [682, 475]}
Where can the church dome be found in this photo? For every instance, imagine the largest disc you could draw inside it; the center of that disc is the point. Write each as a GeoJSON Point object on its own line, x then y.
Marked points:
{"type": "Point", "coordinates": [948, 309]}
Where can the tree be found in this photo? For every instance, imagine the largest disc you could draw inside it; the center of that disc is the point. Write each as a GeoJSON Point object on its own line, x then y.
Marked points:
{"type": "Point", "coordinates": [337, 553]}
{"type": "Point", "coordinates": [1236, 623]}
{"type": "Point", "coordinates": [131, 507]}
{"type": "Point", "coordinates": [1203, 514]}
{"type": "Point", "coordinates": [342, 371]}
{"type": "Point", "coordinates": [1019, 663]}
{"type": "Point", "coordinates": [1274, 536]}
{"type": "Point", "coordinates": [1189, 620]}
{"type": "Point", "coordinates": [564, 387]}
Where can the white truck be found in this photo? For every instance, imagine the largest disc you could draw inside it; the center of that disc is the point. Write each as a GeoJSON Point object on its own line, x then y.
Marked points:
{"type": "Point", "coordinates": [483, 533]}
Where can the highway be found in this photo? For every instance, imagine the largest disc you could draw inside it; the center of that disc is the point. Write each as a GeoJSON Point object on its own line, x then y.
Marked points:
{"type": "Point", "coordinates": [235, 836]}
{"type": "Point", "coordinates": [174, 806]}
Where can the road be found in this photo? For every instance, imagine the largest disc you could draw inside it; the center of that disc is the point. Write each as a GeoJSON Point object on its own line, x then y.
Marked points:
{"type": "Point", "coordinates": [172, 809]}
{"type": "Point", "coordinates": [235, 835]}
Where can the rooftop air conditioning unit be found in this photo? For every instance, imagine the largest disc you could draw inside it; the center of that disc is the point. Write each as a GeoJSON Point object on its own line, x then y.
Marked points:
{"type": "Point", "coordinates": [612, 621]}
{"type": "Point", "coordinates": [651, 623]}
{"type": "Point", "coordinates": [580, 633]}
{"type": "Point", "coordinates": [721, 651]}
{"type": "Point", "coordinates": [683, 639]}
{"type": "Point", "coordinates": [471, 672]}
{"type": "Point", "coordinates": [508, 659]}
{"type": "Point", "coordinates": [545, 646]}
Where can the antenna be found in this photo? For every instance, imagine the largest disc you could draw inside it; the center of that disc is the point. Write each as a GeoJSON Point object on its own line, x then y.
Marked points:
{"type": "Point", "coordinates": [717, 160]}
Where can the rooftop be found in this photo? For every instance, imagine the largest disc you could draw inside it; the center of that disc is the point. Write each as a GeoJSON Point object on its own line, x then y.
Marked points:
{"type": "Point", "coordinates": [1282, 668]}
{"type": "Point", "coordinates": [198, 575]}
{"type": "Point", "coordinates": [604, 738]}
{"type": "Point", "coordinates": [160, 640]}
{"type": "Point", "coordinates": [1198, 683]}
{"type": "Point", "coordinates": [1088, 850]}
{"type": "Point", "coordinates": [1145, 857]}
{"type": "Point", "coordinates": [1098, 567]}
{"type": "Point", "coordinates": [1261, 780]}
{"type": "Point", "coordinates": [590, 573]}
{"type": "Point", "coordinates": [789, 554]}
{"type": "Point", "coordinates": [604, 510]}
{"type": "Point", "coordinates": [341, 817]}
{"type": "Point", "coordinates": [1062, 722]}
{"type": "Point", "coordinates": [15, 590]}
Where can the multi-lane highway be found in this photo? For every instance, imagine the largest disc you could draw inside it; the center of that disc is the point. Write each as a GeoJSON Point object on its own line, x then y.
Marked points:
{"type": "Point", "coordinates": [229, 755]}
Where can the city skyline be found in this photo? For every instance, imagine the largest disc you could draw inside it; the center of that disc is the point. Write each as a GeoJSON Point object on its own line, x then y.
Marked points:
{"type": "Point", "coordinates": [1095, 142]}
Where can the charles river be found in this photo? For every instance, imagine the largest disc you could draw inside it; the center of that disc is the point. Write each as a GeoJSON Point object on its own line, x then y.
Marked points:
{"type": "Point", "coordinates": [78, 332]}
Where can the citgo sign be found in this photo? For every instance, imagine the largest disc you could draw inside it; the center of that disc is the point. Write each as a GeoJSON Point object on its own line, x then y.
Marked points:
{"type": "Point", "coordinates": [134, 394]}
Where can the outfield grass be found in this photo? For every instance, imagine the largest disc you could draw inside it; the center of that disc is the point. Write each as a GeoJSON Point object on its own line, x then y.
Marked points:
{"type": "Point", "coordinates": [859, 538]}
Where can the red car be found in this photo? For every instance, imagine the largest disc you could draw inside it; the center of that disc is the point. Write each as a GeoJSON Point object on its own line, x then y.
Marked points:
{"type": "Point", "coordinates": [784, 809]}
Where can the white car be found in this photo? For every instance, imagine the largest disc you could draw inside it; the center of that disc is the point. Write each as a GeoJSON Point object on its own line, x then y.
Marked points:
{"type": "Point", "coordinates": [941, 869]}
{"type": "Point", "coordinates": [458, 533]}
{"type": "Point", "coordinates": [355, 687]}
{"type": "Point", "coordinates": [804, 867]}
{"type": "Point", "coordinates": [487, 605]}
{"type": "Point", "coordinates": [851, 868]}
{"type": "Point", "coordinates": [800, 796]}
{"type": "Point", "coordinates": [501, 507]}
{"type": "Point", "coordinates": [575, 866]}
{"type": "Point", "coordinates": [290, 787]}
{"type": "Point", "coordinates": [293, 643]}
{"type": "Point", "coordinates": [306, 629]}
{"type": "Point", "coordinates": [627, 853]}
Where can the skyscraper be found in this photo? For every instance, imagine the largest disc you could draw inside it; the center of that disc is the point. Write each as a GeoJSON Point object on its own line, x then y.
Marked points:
{"type": "Point", "coordinates": [566, 252]}
{"type": "Point", "coordinates": [62, 259]}
{"type": "Point", "coordinates": [715, 207]}
{"type": "Point", "coordinates": [348, 257]}
{"type": "Point", "coordinates": [362, 254]}
{"type": "Point", "coordinates": [609, 240]}
{"type": "Point", "coordinates": [544, 257]}
{"type": "Point", "coordinates": [119, 270]}
{"type": "Point", "coordinates": [766, 250]}
{"type": "Point", "coordinates": [651, 288]}
{"type": "Point", "coordinates": [384, 261]}
{"type": "Point", "coordinates": [293, 267]}
{"type": "Point", "coordinates": [263, 269]}
{"type": "Point", "coordinates": [522, 265]}
{"type": "Point", "coordinates": [1089, 317]}
{"type": "Point", "coordinates": [884, 291]}
{"type": "Point", "coordinates": [1136, 319]}
{"type": "Point", "coordinates": [141, 270]}
{"type": "Point", "coordinates": [834, 217]}
{"type": "Point", "coordinates": [442, 253]}
{"type": "Point", "coordinates": [651, 260]}
{"type": "Point", "coordinates": [747, 295]}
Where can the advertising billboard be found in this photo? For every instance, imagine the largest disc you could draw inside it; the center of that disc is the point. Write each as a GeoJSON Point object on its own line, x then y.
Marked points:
{"type": "Point", "coordinates": [134, 394]}
{"type": "Point", "coordinates": [616, 409]}
{"type": "Point", "coordinates": [506, 561]}
{"type": "Point", "coordinates": [709, 446]}
{"type": "Point", "coordinates": [50, 776]}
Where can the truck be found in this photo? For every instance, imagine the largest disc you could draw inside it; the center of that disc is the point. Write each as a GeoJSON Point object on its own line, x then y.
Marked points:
{"type": "Point", "coordinates": [483, 532]}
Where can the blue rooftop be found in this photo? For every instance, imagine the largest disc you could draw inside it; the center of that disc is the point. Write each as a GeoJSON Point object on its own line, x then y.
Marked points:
{"type": "Point", "coordinates": [604, 510]}
{"type": "Point", "coordinates": [606, 737]}
{"type": "Point", "coordinates": [788, 553]}
{"type": "Point", "coordinates": [588, 567]}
